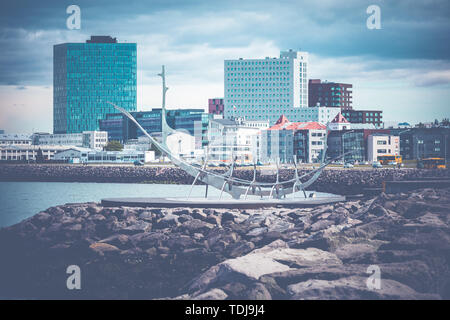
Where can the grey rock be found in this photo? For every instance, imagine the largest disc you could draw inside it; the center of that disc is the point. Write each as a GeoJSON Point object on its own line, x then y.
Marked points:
{"type": "Point", "coordinates": [353, 288]}
{"type": "Point", "coordinates": [146, 216]}
{"type": "Point", "coordinates": [169, 220]}
{"type": "Point", "coordinates": [227, 216]}
{"type": "Point", "coordinates": [258, 292]}
{"type": "Point", "coordinates": [213, 294]}
{"type": "Point", "coordinates": [213, 219]}
{"type": "Point", "coordinates": [103, 248]}
{"type": "Point", "coordinates": [280, 225]}
{"type": "Point", "coordinates": [137, 227]}
{"type": "Point", "coordinates": [257, 232]}
{"type": "Point", "coordinates": [184, 217]}
{"type": "Point", "coordinates": [197, 214]}
{"type": "Point", "coordinates": [356, 251]}
{"type": "Point", "coordinates": [241, 248]}
{"type": "Point", "coordinates": [97, 217]}
{"type": "Point", "coordinates": [180, 242]}
{"type": "Point", "coordinates": [119, 240]}
{"type": "Point", "coordinates": [197, 226]}
{"type": "Point", "coordinates": [275, 257]}
{"type": "Point", "coordinates": [148, 240]}
{"type": "Point", "coordinates": [321, 224]}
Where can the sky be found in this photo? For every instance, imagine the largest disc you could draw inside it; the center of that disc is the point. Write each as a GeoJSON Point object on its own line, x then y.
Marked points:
{"type": "Point", "coordinates": [402, 68]}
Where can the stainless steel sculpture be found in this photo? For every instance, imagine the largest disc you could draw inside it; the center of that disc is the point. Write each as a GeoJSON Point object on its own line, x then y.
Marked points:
{"type": "Point", "coordinates": [234, 186]}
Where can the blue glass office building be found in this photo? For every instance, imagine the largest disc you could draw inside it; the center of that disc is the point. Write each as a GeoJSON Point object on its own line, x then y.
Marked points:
{"type": "Point", "coordinates": [86, 76]}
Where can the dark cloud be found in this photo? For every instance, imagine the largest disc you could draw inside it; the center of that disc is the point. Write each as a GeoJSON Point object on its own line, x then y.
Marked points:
{"type": "Point", "coordinates": [410, 29]}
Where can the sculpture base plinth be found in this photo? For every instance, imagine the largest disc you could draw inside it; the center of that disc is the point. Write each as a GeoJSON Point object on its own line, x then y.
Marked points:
{"type": "Point", "coordinates": [291, 202]}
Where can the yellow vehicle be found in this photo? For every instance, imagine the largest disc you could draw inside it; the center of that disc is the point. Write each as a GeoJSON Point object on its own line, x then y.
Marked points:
{"type": "Point", "coordinates": [389, 159]}
{"type": "Point", "coordinates": [431, 163]}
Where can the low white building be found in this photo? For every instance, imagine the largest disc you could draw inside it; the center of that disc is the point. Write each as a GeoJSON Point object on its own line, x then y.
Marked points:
{"type": "Point", "coordinates": [142, 143]}
{"type": "Point", "coordinates": [237, 137]}
{"type": "Point", "coordinates": [28, 152]}
{"type": "Point", "coordinates": [73, 155]}
{"type": "Point", "coordinates": [84, 155]}
{"type": "Point", "coordinates": [382, 145]}
{"type": "Point", "coordinates": [180, 143]}
{"type": "Point", "coordinates": [19, 139]}
{"type": "Point", "coordinates": [87, 139]}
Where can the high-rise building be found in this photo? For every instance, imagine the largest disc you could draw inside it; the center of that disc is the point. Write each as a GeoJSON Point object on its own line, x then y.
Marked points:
{"type": "Point", "coordinates": [215, 106]}
{"type": "Point", "coordinates": [264, 89]}
{"type": "Point", "coordinates": [86, 76]}
{"type": "Point", "coordinates": [330, 94]}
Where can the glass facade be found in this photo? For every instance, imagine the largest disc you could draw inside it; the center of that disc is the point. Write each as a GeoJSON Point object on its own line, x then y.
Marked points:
{"type": "Point", "coordinates": [88, 75]}
{"type": "Point", "coordinates": [120, 128]}
{"type": "Point", "coordinates": [194, 121]}
{"type": "Point", "coordinates": [354, 141]}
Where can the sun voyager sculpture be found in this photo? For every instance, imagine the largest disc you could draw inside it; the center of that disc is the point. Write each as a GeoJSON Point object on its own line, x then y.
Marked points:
{"type": "Point", "coordinates": [289, 193]}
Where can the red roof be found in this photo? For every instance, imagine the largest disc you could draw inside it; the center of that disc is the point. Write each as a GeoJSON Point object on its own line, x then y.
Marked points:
{"type": "Point", "coordinates": [282, 120]}
{"type": "Point", "coordinates": [339, 119]}
{"type": "Point", "coordinates": [284, 123]}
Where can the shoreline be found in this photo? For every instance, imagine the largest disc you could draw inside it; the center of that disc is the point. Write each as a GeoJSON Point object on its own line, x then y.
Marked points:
{"type": "Point", "coordinates": [347, 181]}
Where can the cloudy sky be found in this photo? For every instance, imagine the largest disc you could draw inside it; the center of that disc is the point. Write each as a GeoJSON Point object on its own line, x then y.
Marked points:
{"type": "Point", "coordinates": [402, 68]}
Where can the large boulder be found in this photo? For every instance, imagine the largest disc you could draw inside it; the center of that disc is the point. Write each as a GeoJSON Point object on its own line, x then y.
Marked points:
{"type": "Point", "coordinates": [272, 258]}
{"type": "Point", "coordinates": [354, 287]}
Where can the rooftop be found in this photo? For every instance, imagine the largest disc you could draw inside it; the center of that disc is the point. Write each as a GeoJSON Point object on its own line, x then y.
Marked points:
{"type": "Point", "coordinates": [284, 124]}
{"type": "Point", "coordinates": [15, 136]}
{"type": "Point", "coordinates": [339, 119]}
{"type": "Point", "coordinates": [102, 39]}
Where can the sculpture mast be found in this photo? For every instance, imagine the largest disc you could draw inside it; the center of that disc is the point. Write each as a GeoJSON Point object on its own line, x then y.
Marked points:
{"type": "Point", "coordinates": [164, 126]}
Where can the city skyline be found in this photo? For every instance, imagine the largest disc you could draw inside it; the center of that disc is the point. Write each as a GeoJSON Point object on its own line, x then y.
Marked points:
{"type": "Point", "coordinates": [402, 68]}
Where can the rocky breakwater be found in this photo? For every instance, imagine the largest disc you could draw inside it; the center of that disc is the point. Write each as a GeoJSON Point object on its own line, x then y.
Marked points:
{"type": "Point", "coordinates": [341, 181]}
{"type": "Point", "coordinates": [307, 253]}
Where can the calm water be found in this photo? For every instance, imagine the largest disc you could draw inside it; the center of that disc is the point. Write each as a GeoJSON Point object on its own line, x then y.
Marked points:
{"type": "Point", "coordinates": [20, 200]}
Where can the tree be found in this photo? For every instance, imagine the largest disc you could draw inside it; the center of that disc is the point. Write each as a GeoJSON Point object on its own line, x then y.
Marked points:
{"type": "Point", "coordinates": [39, 156]}
{"type": "Point", "coordinates": [156, 150]}
{"type": "Point", "coordinates": [114, 145]}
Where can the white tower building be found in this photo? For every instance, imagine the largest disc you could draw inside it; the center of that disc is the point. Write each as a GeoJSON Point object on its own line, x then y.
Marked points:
{"type": "Point", "coordinates": [264, 89]}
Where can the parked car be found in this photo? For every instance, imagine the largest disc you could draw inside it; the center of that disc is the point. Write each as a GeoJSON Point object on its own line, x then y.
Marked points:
{"type": "Point", "coordinates": [138, 163]}
{"type": "Point", "coordinates": [377, 165]}
{"type": "Point", "coordinates": [348, 165]}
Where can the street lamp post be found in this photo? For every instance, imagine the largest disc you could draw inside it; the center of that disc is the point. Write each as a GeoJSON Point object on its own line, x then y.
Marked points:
{"type": "Point", "coordinates": [445, 150]}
